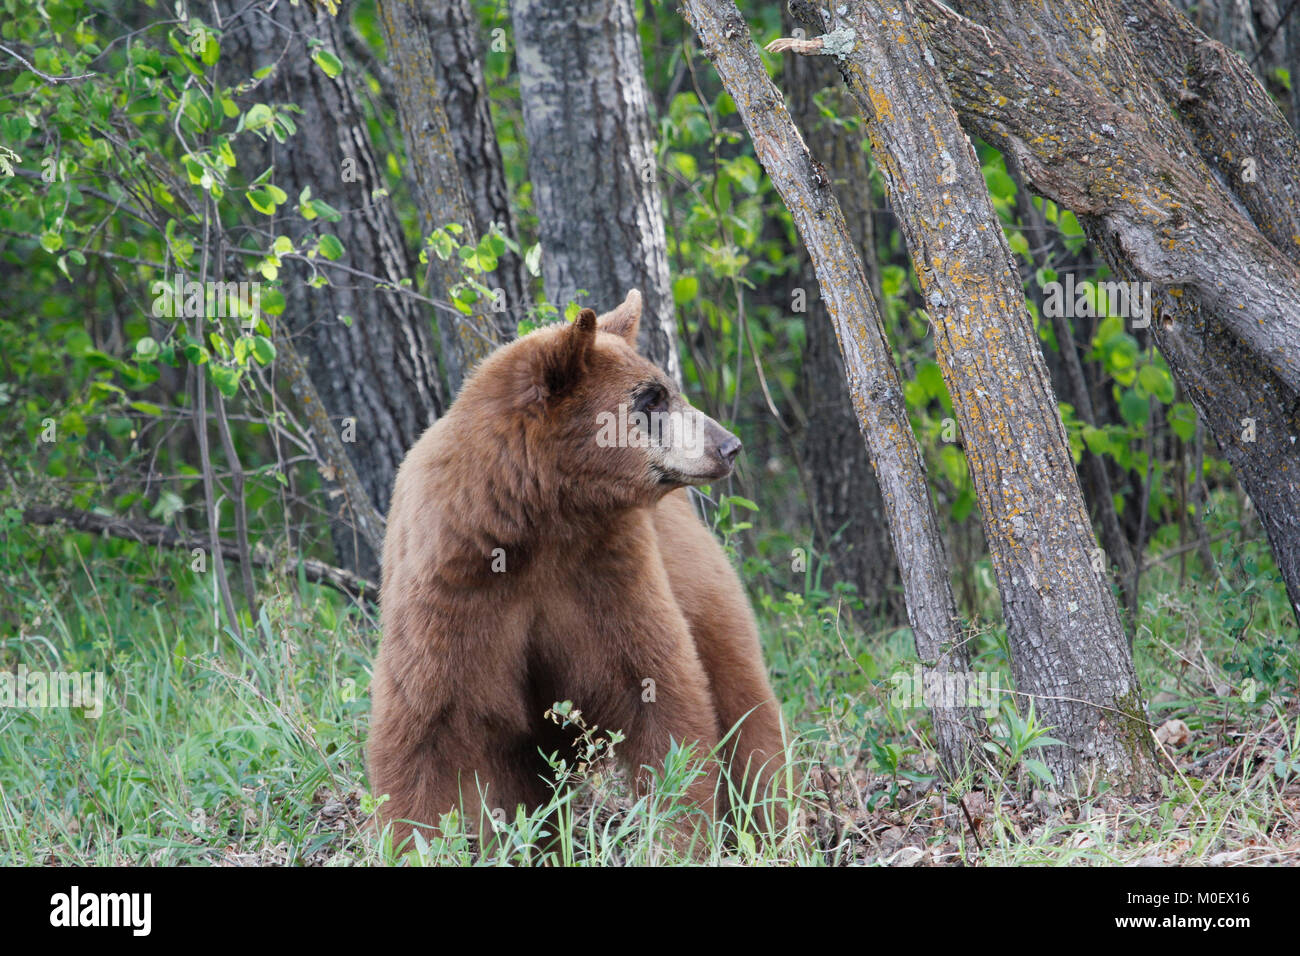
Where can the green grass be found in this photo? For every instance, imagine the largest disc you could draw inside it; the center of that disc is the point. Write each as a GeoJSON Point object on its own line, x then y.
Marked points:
{"type": "Point", "coordinates": [222, 749]}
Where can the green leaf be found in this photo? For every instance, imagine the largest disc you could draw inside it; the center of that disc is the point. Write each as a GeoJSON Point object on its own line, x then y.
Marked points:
{"type": "Point", "coordinates": [1182, 419]}
{"type": "Point", "coordinates": [1158, 382]}
{"type": "Point", "coordinates": [892, 280]}
{"type": "Point", "coordinates": [328, 62]}
{"type": "Point", "coordinates": [533, 260]}
{"type": "Point", "coordinates": [258, 115]}
{"type": "Point", "coordinates": [263, 350]}
{"type": "Point", "coordinates": [685, 289]}
{"type": "Point", "coordinates": [999, 183]}
{"type": "Point", "coordinates": [220, 346]}
{"type": "Point", "coordinates": [930, 378]}
{"type": "Point", "coordinates": [1096, 439]}
{"type": "Point", "coordinates": [323, 209]}
{"type": "Point", "coordinates": [168, 504]}
{"type": "Point", "coordinates": [1121, 353]}
{"type": "Point", "coordinates": [147, 348]}
{"type": "Point", "coordinates": [260, 199]}
{"type": "Point", "coordinates": [330, 247]}
{"type": "Point", "coordinates": [953, 464]}
{"type": "Point", "coordinates": [1069, 224]}
{"type": "Point", "coordinates": [1134, 407]}
{"type": "Point", "coordinates": [685, 165]}
{"type": "Point", "coordinates": [964, 505]}
{"type": "Point", "coordinates": [271, 301]}
{"type": "Point", "coordinates": [442, 244]}
{"type": "Point", "coordinates": [226, 379]}
{"type": "Point", "coordinates": [1039, 771]}
{"type": "Point", "coordinates": [211, 50]}
{"type": "Point", "coordinates": [745, 171]}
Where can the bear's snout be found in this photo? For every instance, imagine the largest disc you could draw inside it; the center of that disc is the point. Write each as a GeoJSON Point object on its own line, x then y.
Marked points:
{"type": "Point", "coordinates": [725, 446]}
{"type": "Point", "coordinates": [729, 448]}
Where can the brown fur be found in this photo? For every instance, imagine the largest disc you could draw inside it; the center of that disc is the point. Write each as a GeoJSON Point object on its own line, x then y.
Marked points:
{"type": "Point", "coordinates": [609, 579]}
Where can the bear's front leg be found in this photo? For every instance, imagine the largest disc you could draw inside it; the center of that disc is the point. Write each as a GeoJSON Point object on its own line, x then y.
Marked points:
{"type": "Point", "coordinates": [433, 751]}
{"type": "Point", "coordinates": [669, 702]}
{"type": "Point", "coordinates": [750, 720]}
{"type": "Point", "coordinates": [484, 784]}
{"type": "Point", "coordinates": [725, 635]}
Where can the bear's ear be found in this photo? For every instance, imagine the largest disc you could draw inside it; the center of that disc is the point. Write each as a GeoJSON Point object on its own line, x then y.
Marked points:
{"type": "Point", "coordinates": [564, 362]}
{"type": "Point", "coordinates": [624, 321]}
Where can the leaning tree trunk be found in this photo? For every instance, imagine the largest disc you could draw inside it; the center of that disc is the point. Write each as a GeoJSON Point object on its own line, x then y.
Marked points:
{"type": "Point", "coordinates": [873, 378]}
{"type": "Point", "coordinates": [1047, 249]}
{"type": "Point", "coordinates": [1263, 32]}
{"type": "Point", "coordinates": [591, 158]}
{"type": "Point", "coordinates": [1069, 653]}
{"type": "Point", "coordinates": [849, 521]}
{"type": "Point", "coordinates": [377, 368]}
{"type": "Point", "coordinates": [452, 27]}
{"type": "Point", "coordinates": [438, 187]}
{"type": "Point", "coordinates": [1138, 171]}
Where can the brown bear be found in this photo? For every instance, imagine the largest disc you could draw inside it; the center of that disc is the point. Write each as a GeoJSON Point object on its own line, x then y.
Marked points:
{"type": "Point", "coordinates": [541, 548]}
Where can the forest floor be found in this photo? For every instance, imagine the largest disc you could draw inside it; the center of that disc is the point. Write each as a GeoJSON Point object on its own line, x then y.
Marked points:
{"type": "Point", "coordinates": [223, 749]}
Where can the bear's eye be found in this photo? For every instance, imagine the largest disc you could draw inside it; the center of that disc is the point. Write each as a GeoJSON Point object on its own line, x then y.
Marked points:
{"type": "Point", "coordinates": [652, 398]}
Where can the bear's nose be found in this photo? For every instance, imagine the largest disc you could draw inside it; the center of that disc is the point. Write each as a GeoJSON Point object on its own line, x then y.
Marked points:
{"type": "Point", "coordinates": [729, 449]}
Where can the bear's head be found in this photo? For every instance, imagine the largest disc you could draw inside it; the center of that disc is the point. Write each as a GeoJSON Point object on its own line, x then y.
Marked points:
{"type": "Point", "coordinates": [600, 426]}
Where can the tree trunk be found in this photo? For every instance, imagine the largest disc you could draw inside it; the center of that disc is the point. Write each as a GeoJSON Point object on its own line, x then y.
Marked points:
{"type": "Point", "coordinates": [873, 378]}
{"type": "Point", "coordinates": [1262, 32]}
{"type": "Point", "coordinates": [1231, 118]}
{"type": "Point", "coordinates": [1154, 208]}
{"type": "Point", "coordinates": [591, 158]}
{"type": "Point", "coordinates": [1048, 251]}
{"type": "Point", "coordinates": [439, 190]}
{"type": "Point", "coordinates": [379, 367]}
{"type": "Point", "coordinates": [849, 520]}
{"type": "Point", "coordinates": [1166, 215]}
{"type": "Point", "coordinates": [452, 27]}
{"type": "Point", "coordinates": [1069, 652]}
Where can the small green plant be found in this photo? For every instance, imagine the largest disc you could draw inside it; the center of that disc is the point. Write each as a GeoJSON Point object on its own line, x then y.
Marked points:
{"type": "Point", "coordinates": [1018, 736]}
{"type": "Point", "coordinates": [593, 751]}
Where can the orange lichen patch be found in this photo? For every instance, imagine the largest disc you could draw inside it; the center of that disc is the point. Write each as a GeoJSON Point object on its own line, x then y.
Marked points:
{"type": "Point", "coordinates": [880, 104]}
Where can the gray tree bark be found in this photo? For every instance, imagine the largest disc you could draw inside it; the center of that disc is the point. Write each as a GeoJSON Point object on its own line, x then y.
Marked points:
{"type": "Point", "coordinates": [453, 29]}
{"type": "Point", "coordinates": [1048, 250]}
{"type": "Point", "coordinates": [380, 369]}
{"type": "Point", "coordinates": [438, 187]}
{"type": "Point", "coordinates": [873, 378]}
{"type": "Point", "coordinates": [1150, 198]}
{"type": "Point", "coordinates": [1264, 32]}
{"type": "Point", "coordinates": [849, 522]}
{"type": "Point", "coordinates": [1069, 652]}
{"type": "Point", "coordinates": [591, 159]}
